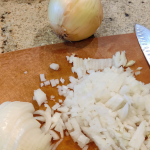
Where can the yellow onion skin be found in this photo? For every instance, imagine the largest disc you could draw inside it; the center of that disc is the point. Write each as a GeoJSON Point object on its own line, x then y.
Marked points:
{"type": "Point", "coordinates": [75, 20]}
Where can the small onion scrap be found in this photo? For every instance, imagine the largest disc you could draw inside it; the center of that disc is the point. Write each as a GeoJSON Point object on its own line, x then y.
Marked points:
{"type": "Point", "coordinates": [75, 20]}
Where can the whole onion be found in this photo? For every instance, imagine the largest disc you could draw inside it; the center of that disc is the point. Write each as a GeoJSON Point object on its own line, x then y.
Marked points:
{"type": "Point", "coordinates": [75, 20]}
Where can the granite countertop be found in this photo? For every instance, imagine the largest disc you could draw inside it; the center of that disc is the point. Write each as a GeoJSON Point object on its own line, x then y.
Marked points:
{"type": "Point", "coordinates": [24, 23]}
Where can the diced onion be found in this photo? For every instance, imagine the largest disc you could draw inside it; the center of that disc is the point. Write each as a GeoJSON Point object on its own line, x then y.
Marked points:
{"type": "Point", "coordinates": [42, 77]}
{"type": "Point", "coordinates": [137, 73]}
{"type": "Point", "coordinates": [42, 84]}
{"type": "Point", "coordinates": [40, 96]}
{"type": "Point", "coordinates": [56, 106]}
{"type": "Point", "coordinates": [62, 80]}
{"type": "Point", "coordinates": [25, 72]}
{"type": "Point", "coordinates": [130, 63]}
{"type": "Point", "coordinates": [46, 83]}
{"type": "Point", "coordinates": [53, 82]}
{"type": "Point", "coordinates": [54, 66]}
{"type": "Point", "coordinates": [139, 68]}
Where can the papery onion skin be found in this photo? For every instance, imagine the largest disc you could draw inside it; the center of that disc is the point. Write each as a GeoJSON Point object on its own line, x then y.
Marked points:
{"type": "Point", "coordinates": [75, 20]}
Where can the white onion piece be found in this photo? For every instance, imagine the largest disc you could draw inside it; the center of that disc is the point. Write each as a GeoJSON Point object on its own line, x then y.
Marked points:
{"type": "Point", "coordinates": [75, 135]}
{"type": "Point", "coordinates": [123, 112]}
{"type": "Point", "coordinates": [80, 66]}
{"type": "Point", "coordinates": [56, 145]}
{"type": "Point", "coordinates": [64, 117]}
{"type": "Point", "coordinates": [54, 66]}
{"type": "Point", "coordinates": [40, 118]}
{"type": "Point", "coordinates": [68, 125]}
{"type": "Point", "coordinates": [63, 109]}
{"type": "Point", "coordinates": [139, 68]}
{"type": "Point", "coordinates": [119, 59]}
{"type": "Point", "coordinates": [10, 139]}
{"type": "Point", "coordinates": [75, 124]}
{"type": "Point", "coordinates": [62, 80]}
{"type": "Point", "coordinates": [42, 84]}
{"type": "Point", "coordinates": [138, 137]}
{"type": "Point", "coordinates": [115, 102]}
{"type": "Point", "coordinates": [54, 135]}
{"type": "Point", "coordinates": [52, 145]}
{"type": "Point", "coordinates": [40, 112]}
{"type": "Point", "coordinates": [53, 82]}
{"type": "Point", "coordinates": [42, 77]}
{"type": "Point", "coordinates": [66, 133]}
{"type": "Point", "coordinates": [46, 83]}
{"type": "Point", "coordinates": [33, 135]}
{"type": "Point", "coordinates": [82, 140]}
{"type": "Point", "coordinates": [29, 124]}
{"type": "Point", "coordinates": [128, 99]}
{"type": "Point", "coordinates": [3, 105]}
{"type": "Point", "coordinates": [123, 59]}
{"type": "Point", "coordinates": [8, 120]}
{"type": "Point", "coordinates": [46, 126]}
{"type": "Point", "coordinates": [41, 140]}
{"type": "Point", "coordinates": [37, 139]}
{"type": "Point", "coordinates": [130, 63]}
{"type": "Point", "coordinates": [60, 100]}
{"type": "Point", "coordinates": [101, 143]}
{"type": "Point", "coordinates": [143, 147]}
{"type": "Point", "coordinates": [56, 106]}
{"type": "Point", "coordinates": [85, 147]}
{"type": "Point", "coordinates": [55, 119]}
{"type": "Point", "coordinates": [19, 129]}
{"type": "Point", "coordinates": [56, 81]}
{"type": "Point", "coordinates": [59, 128]}
{"type": "Point", "coordinates": [124, 90]}
{"type": "Point", "coordinates": [137, 73]}
{"type": "Point", "coordinates": [47, 117]}
{"type": "Point", "coordinates": [45, 142]}
{"type": "Point", "coordinates": [40, 96]}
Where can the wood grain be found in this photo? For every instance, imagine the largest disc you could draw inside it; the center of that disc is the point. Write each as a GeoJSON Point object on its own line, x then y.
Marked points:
{"type": "Point", "coordinates": [17, 86]}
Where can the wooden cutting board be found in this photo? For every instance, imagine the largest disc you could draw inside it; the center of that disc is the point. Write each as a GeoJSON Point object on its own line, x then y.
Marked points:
{"type": "Point", "coordinates": [17, 86]}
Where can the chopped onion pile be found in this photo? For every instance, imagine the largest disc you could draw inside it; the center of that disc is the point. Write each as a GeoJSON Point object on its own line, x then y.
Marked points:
{"type": "Point", "coordinates": [105, 105]}
{"type": "Point", "coordinates": [19, 130]}
{"type": "Point", "coordinates": [80, 66]}
{"type": "Point", "coordinates": [109, 107]}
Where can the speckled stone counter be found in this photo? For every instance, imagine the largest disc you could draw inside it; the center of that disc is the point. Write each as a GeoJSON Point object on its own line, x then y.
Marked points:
{"type": "Point", "coordinates": [24, 23]}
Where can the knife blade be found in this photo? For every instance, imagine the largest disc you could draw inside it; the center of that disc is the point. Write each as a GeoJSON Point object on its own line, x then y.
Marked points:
{"type": "Point", "coordinates": [143, 36]}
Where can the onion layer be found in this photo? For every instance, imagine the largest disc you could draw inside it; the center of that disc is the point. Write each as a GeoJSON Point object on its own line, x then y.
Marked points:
{"type": "Point", "coordinates": [19, 130]}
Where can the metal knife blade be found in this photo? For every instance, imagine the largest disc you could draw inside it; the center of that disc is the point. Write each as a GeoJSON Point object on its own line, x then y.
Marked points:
{"type": "Point", "coordinates": [143, 36]}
